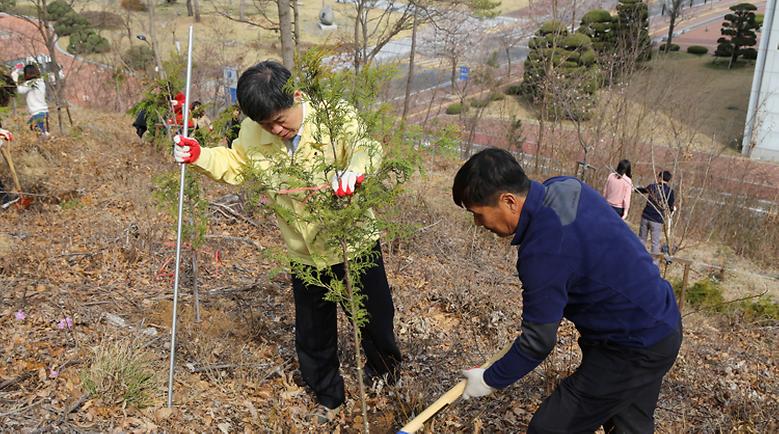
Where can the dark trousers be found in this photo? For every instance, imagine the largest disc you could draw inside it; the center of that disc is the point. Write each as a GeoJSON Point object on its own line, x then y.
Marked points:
{"type": "Point", "coordinates": [615, 387]}
{"type": "Point", "coordinates": [620, 211]}
{"type": "Point", "coordinates": [316, 333]}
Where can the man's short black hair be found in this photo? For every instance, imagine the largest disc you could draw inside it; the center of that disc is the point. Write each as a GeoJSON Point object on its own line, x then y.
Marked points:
{"type": "Point", "coordinates": [261, 90]}
{"type": "Point", "coordinates": [486, 175]}
{"type": "Point", "coordinates": [665, 176]}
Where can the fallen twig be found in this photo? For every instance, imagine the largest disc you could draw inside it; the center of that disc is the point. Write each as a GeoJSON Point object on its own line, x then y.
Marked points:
{"type": "Point", "coordinates": [232, 238]}
{"type": "Point", "coordinates": [21, 377]}
{"type": "Point", "coordinates": [233, 213]}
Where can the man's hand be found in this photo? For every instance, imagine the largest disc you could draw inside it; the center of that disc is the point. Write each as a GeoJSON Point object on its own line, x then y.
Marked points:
{"type": "Point", "coordinates": [343, 183]}
{"type": "Point", "coordinates": [185, 150]}
{"type": "Point", "coordinates": [15, 75]}
{"type": "Point", "coordinates": [476, 386]}
{"type": "Point", "coordinates": [6, 135]}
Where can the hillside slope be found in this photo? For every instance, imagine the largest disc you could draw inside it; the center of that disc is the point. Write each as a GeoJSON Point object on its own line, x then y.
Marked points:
{"type": "Point", "coordinates": [95, 248]}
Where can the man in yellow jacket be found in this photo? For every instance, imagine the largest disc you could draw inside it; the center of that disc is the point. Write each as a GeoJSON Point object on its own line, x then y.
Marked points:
{"type": "Point", "coordinates": [280, 132]}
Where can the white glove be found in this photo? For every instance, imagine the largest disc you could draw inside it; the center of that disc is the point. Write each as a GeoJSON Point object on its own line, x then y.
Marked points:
{"type": "Point", "coordinates": [6, 135]}
{"type": "Point", "coordinates": [15, 75]}
{"type": "Point", "coordinates": [476, 386]}
{"type": "Point", "coordinates": [343, 183]}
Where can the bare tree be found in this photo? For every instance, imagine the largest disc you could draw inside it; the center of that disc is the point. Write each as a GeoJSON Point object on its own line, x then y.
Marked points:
{"type": "Point", "coordinates": [674, 8]}
{"type": "Point", "coordinates": [373, 31]}
{"type": "Point", "coordinates": [265, 19]}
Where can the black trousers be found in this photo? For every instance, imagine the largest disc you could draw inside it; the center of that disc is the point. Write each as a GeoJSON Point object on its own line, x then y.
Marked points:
{"type": "Point", "coordinates": [615, 387]}
{"type": "Point", "coordinates": [316, 333]}
{"type": "Point", "coordinates": [620, 211]}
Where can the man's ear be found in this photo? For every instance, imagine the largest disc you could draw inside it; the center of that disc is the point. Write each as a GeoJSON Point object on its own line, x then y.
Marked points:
{"type": "Point", "coordinates": [512, 202]}
{"type": "Point", "coordinates": [298, 95]}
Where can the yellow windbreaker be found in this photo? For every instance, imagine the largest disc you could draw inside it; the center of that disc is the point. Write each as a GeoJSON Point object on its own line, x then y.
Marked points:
{"type": "Point", "coordinates": [264, 151]}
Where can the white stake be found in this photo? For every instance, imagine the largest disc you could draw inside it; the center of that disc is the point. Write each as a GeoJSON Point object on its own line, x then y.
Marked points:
{"type": "Point", "coordinates": [178, 231]}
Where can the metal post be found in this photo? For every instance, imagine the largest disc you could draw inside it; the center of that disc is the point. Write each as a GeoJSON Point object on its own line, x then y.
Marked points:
{"type": "Point", "coordinates": [178, 230]}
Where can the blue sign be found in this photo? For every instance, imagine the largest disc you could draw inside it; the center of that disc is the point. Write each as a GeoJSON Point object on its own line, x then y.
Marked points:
{"type": "Point", "coordinates": [231, 85]}
{"type": "Point", "coordinates": [464, 71]}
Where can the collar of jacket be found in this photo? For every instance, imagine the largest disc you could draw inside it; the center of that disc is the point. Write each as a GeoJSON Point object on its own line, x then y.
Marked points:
{"type": "Point", "coordinates": [533, 201]}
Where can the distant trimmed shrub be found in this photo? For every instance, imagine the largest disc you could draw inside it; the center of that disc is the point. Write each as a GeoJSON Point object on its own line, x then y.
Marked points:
{"type": "Point", "coordinates": [514, 89]}
{"type": "Point", "coordinates": [697, 50]}
{"type": "Point", "coordinates": [674, 47]}
{"type": "Point", "coordinates": [88, 42]}
{"type": "Point", "coordinates": [71, 23]}
{"type": "Point", "coordinates": [103, 20]}
{"type": "Point", "coordinates": [7, 5]}
{"type": "Point", "coordinates": [748, 53]}
{"type": "Point", "coordinates": [455, 109]}
{"type": "Point", "coordinates": [58, 9]}
{"type": "Point", "coordinates": [480, 102]}
{"type": "Point", "coordinates": [133, 5]}
{"type": "Point", "coordinates": [139, 57]}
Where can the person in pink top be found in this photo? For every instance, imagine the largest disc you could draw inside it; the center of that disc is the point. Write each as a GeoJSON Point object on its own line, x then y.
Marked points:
{"type": "Point", "coordinates": [618, 188]}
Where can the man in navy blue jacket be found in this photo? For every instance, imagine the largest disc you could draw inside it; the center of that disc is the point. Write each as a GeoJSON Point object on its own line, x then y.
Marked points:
{"type": "Point", "coordinates": [577, 260]}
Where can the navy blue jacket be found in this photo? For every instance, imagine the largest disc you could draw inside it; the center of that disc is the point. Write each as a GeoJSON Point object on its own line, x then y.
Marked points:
{"type": "Point", "coordinates": [657, 196]}
{"type": "Point", "coordinates": [579, 260]}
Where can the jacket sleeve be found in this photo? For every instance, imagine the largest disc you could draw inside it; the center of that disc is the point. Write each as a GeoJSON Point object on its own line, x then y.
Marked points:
{"type": "Point", "coordinates": [626, 200]}
{"type": "Point", "coordinates": [544, 296]}
{"type": "Point", "coordinates": [229, 164]}
{"type": "Point", "coordinates": [23, 89]}
{"type": "Point", "coordinates": [362, 153]}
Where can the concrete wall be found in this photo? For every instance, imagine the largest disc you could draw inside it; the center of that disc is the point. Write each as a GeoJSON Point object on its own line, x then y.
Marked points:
{"type": "Point", "coordinates": [767, 119]}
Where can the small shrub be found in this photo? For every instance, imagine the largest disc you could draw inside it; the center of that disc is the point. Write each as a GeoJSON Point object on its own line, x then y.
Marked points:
{"type": "Point", "coordinates": [455, 109]}
{"type": "Point", "coordinates": [705, 294]}
{"type": "Point", "coordinates": [121, 373]}
{"type": "Point", "coordinates": [514, 89]}
{"type": "Point", "coordinates": [697, 49]}
{"type": "Point", "coordinates": [480, 102]}
{"type": "Point", "coordinates": [70, 24]}
{"type": "Point", "coordinates": [7, 5]}
{"type": "Point", "coordinates": [103, 20]}
{"type": "Point", "coordinates": [674, 47]}
{"type": "Point", "coordinates": [139, 57]}
{"type": "Point", "coordinates": [497, 96]}
{"type": "Point", "coordinates": [748, 53]}
{"type": "Point", "coordinates": [88, 42]}
{"type": "Point", "coordinates": [133, 5]}
{"type": "Point", "coordinates": [763, 307]}
{"type": "Point", "coordinates": [58, 9]}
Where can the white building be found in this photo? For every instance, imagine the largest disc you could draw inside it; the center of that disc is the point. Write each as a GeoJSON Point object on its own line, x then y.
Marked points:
{"type": "Point", "coordinates": [761, 133]}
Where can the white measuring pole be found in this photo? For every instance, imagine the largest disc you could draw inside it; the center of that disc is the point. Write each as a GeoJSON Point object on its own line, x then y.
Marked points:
{"type": "Point", "coordinates": [178, 230]}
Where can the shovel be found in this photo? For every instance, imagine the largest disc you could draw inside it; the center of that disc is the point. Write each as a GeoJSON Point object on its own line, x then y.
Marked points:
{"type": "Point", "coordinates": [23, 201]}
{"type": "Point", "coordinates": [447, 398]}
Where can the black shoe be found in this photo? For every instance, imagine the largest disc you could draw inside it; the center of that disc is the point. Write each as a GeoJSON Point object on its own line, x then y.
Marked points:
{"type": "Point", "coordinates": [8, 199]}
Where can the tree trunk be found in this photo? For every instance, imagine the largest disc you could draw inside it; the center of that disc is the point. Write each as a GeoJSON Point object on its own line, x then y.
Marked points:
{"type": "Point", "coordinates": [508, 59]}
{"type": "Point", "coordinates": [196, 6]}
{"type": "Point", "coordinates": [242, 10]}
{"type": "Point", "coordinates": [190, 12]}
{"type": "Point", "coordinates": [285, 28]}
{"type": "Point", "coordinates": [296, 22]}
{"type": "Point", "coordinates": [357, 46]}
{"type": "Point", "coordinates": [453, 78]}
{"type": "Point", "coordinates": [357, 339]}
{"type": "Point", "coordinates": [671, 26]}
{"type": "Point", "coordinates": [410, 77]}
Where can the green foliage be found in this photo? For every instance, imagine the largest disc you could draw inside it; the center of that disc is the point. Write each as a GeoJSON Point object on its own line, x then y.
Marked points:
{"type": "Point", "coordinates": [598, 25]}
{"type": "Point", "coordinates": [672, 47]}
{"type": "Point", "coordinates": [738, 33]}
{"type": "Point", "coordinates": [632, 29]}
{"type": "Point", "coordinates": [456, 108]}
{"type": "Point", "coordinates": [156, 101]}
{"type": "Point", "coordinates": [485, 8]}
{"type": "Point", "coordinates": [480, 102]}
{"type": "Point", "coordinates": [446, 140]}
{"type": "Point", "coordinates": [706, 294]}
{"type": "Point", "coordinates": [88, 42]}
{"type": "Point", "coordinates": [71, 23]}
{"type": "Point", "coordinates": [697, 50]}
{"type": "Point", "coordinates": [139, 57]}
{"type": "Point", "coordinates": [596, 16]}
{"type": "Point", "coordinates": [58, 9]}
{"type": "Point", "coordinates": [761, 308]}
{"type": "Point", "coordinates": [133, 5]}
{"type": "Point", "coordinates": [7, 86]}
{"type": "Point", "coordinates": [121, 373]}
{"type": "Point", "coordinates": [514, 89]}
{"type": "Point", "coordinates": [560, 72]}
{"type": "Point", "coordinates": [194, 219]}
{"type": "Point", "coordinates": [7, 5]}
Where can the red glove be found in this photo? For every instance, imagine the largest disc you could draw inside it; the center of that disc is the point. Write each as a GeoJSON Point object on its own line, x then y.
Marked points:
{"type": "Point", "coordinates": [185, 150]}
{"type": "Point", "coordinates": [344, 183]}
{"type": "Point", "coordinates": [6, 135]}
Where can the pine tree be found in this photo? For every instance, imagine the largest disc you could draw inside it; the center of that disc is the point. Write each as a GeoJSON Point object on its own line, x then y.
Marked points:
{"type": "Point", "coordinates": [739, 32]}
